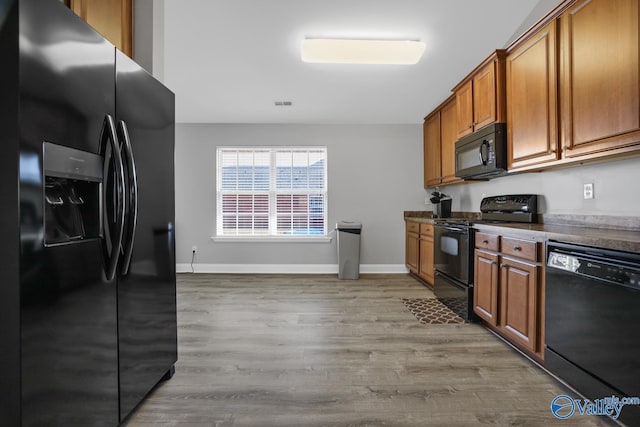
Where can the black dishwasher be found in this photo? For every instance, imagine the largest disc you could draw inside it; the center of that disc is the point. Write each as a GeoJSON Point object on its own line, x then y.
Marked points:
{"type": "Point", "coordinates": [592, 318]}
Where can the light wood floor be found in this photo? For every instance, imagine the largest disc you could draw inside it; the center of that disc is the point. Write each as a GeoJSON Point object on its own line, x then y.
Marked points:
{"type": "Point", "coordinates": [276, 350]}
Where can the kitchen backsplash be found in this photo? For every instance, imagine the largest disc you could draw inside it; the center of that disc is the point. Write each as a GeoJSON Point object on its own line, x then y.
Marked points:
{"type": "Point", "coordinates": [615, 183]}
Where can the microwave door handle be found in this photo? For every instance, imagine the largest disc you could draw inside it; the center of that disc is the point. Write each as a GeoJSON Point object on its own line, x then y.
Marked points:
{"type": "Point", "coordinates": [484, 152]}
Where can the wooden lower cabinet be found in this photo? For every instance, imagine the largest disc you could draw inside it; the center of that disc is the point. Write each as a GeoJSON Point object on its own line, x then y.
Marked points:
{"type": "Point", "coordinates": [508, 289]}
{"type": "Point", "coordinates": [419, 250]}
{"type": "Point", "coordinates": [426, 258]}
{"type": "Point", "coordinates": [485, 290]}
{"type": "Point", "coordinates": [519, 291]}
{"type": "Point", "coordinates": [412, 251]}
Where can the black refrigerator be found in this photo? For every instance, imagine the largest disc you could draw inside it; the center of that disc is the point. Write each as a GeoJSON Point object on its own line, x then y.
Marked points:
{"type": "Point", "coordinates": [87, 238]}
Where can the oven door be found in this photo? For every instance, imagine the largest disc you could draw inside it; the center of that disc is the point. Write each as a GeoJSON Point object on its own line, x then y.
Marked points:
{"type": "Point", "coordinates": [452, 251]}
{"type": "Point", "coordinates": [455, 295]}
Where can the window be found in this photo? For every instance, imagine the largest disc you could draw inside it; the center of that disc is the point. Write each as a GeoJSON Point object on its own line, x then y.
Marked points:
{"type": "Point", "coordinates": [271, 191]}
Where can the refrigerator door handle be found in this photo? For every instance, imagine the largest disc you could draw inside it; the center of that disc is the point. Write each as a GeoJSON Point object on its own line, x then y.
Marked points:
{"type": "Point", "coordinates": [113, 149]}
{"type": "Point", "coordinates": [132, 221]}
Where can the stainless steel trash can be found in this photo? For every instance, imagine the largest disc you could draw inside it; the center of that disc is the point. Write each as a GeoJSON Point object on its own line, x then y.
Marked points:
{"type": "Point", "coordinates": [348, 249]}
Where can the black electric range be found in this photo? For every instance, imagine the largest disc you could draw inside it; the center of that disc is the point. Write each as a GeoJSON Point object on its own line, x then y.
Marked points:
{"type": "Point", "coordinates": [454, 244]}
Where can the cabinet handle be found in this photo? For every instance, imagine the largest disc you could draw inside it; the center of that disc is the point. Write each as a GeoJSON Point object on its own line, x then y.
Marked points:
{"type": "Point", "coordinates": [470, 126]}
{"type": "Point", "coordinates": [502, 265]}
{"type": "Point", "coordinates": [517, 248]}
{"type": "Point", "coordinates": [485, 242]}
{"type": "Point", "coordinates": [493, 263]}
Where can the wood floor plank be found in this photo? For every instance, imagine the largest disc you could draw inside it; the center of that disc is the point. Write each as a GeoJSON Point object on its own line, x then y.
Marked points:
{"type": "Point", "coordinates": [311, 350]}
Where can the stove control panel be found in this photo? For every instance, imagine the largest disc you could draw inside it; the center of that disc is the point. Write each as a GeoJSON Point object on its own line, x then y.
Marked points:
{"type": "Point", "coordinates": [510, 203]}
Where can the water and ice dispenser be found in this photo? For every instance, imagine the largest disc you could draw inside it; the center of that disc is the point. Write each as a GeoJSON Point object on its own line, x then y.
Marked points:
{"type": "Point", "coordinates": [72, 194]}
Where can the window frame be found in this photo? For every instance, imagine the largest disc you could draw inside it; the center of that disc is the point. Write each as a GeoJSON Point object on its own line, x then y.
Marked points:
{"type": "Point", "coordinates": [272, 234]}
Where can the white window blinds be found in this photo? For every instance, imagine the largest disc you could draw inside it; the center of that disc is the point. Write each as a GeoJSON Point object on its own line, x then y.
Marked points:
{"type": "Point", "coordinates": [271, 191]}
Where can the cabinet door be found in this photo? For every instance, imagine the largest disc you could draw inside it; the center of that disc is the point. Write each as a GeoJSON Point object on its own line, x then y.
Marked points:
{"type": "Point", "coordinates": [519, 302]}
{"type": "Point", "coordinates": [464, 109]}
{"type": "Point", "coordinates": [426, 258]}
{"type": "Point", "coordinates": [600, 76]}
{"type": "Point", "coordinates": [412, 252]}
{"type": "Point", "coordinates": [485, 288]}
{"type": "Point", "coordinates": [532, 122]}
{"type": "Point", "coordinates": [448, 137]}
{"type": "Point", "coordinates": [432, 172]}
{"type": "Point", "coordinates": [111, 18]}
{"type": "Point", "coordinates": [484, 97]}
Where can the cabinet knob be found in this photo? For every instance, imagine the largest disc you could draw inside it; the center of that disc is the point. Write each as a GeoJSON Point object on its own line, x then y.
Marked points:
{"type": "Point", "coordinates": [485, 242]}
{"type": "Point", "coordinates": [493, 263]}
{"type": "Point", "coordinates": [517, 248]}
{"type": "Point", "coordinates": [469, 125]}
{"type": "Point", "coordinates": [502, 265]}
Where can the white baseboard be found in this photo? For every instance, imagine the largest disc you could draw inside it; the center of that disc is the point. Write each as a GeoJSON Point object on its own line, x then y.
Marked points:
{"type": "Point", "coordinates": [288, 268]}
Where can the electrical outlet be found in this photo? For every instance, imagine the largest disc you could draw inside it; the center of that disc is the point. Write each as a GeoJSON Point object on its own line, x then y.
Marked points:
{"type": "Point", "coordinates": [194, 249]}
{"type": "Point", "coordinates": [588, 191]}
{"type": "Point", "coordinates": [427, 201]}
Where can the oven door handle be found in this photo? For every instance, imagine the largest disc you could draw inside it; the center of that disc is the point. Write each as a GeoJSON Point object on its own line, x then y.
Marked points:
{"type": "Point", "coordinates": [456, 230]}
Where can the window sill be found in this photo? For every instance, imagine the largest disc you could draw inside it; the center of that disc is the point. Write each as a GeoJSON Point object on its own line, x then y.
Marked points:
{"type": "Point", "coordinates": [272, 239]}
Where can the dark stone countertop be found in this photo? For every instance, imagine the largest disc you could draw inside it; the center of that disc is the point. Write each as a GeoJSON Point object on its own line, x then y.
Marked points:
{"type": "Point", "coordinates": [427, 216]}
{"type": "Point", "coordinates": [610, 232]}
{"type": "Point", "coordinates": [622, 240]}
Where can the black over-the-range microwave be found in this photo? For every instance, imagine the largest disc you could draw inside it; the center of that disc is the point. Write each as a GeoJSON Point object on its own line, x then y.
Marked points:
{"type": "Point", "coordinates": [482, 154]}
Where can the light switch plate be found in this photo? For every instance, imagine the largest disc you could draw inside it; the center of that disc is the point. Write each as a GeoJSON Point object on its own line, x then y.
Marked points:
{"type": "Point", "coordinates": [588, 191]}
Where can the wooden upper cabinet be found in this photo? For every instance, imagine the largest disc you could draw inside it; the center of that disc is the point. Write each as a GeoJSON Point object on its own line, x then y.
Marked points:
{"type": "Point", "coordinates": [448, 137]}
{"type": "Point", "coordinates": [600, 79]}
{"type": "Point", "coordinates": [432, 170]}
{"type": "Point", "coordinates": [532, 118]}
{"type": "Point", "coordinates": [480, 96]}
{"type": "Point", "coordinates": [464, 109]}
{"type": "Point", "coordinates": [484, 96]}
{"type": "Point", "coordinates": [111, 18]}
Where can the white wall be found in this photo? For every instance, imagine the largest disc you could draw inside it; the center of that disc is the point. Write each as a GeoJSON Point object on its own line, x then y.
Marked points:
{"type": "Point", "coordinates": [374, 174]}
{"type": "Point", "coordinates": [616, 189]}
{"type": "Point", "coordinates": [148, 36]}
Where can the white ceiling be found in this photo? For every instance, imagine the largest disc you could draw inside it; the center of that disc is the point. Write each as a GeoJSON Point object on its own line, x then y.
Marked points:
{"type": "Point", "coordinates": [228, 60]}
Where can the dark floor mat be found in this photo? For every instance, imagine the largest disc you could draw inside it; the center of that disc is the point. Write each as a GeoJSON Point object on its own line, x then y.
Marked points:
{"type": "Point", "coordinates": [431, 311]}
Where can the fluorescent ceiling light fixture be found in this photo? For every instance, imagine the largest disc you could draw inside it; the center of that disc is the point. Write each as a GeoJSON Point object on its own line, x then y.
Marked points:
{"type": "Point", "coordinates": [349, 51]}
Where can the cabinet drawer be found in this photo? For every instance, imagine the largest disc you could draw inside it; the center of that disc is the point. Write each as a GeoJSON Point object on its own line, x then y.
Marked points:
{"type": "Point", "coordinates": [487, 241]}
{"type": "Point", "coordinates": [525, 249]}
{"type": "Point", "coordinates": [426, 229]}
{"type": "Point", "coordinates": [413, 227]}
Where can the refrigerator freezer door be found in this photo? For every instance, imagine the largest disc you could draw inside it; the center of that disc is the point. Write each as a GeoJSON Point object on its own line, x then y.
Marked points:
{"type": "Point", "coordinates": [146, 292]}
{"type": "Point", "coordinates": [68, 308]}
